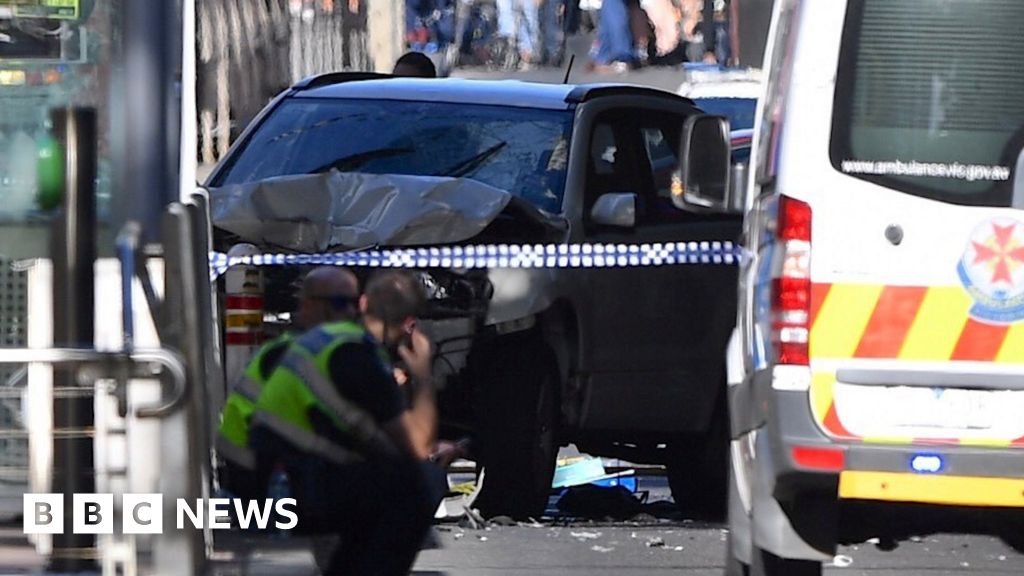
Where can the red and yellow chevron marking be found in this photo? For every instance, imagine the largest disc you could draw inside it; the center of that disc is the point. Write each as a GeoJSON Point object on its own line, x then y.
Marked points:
{"type": "Point", "coordinates": [912, 323]}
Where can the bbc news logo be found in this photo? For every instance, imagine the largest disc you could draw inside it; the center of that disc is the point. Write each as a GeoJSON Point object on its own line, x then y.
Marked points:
{"type": "Point", "coordinates": [144, 513]}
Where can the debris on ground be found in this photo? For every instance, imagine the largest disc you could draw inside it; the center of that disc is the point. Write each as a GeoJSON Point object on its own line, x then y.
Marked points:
{"type": "Point", "coordinates": [586, 535]}
{"type": "Point", "coordinates": [577, 471]}
{"type": "Point", "coordinates": [597, 548]}
{"type": "Point", "coordinates": [842, 561]}
{"type": "Point", "coordinates": [473, 518]}
{"type": "Point", "coordinates": [531, 524]}
{"type": "Point", "coordinates": [655, 542]}
{"type": "Point", "coordinates": [597, 502]}
{"type": "Point", "coordinates": [502, 521]}
{"type": "Point", "coordinates": [644, 518]}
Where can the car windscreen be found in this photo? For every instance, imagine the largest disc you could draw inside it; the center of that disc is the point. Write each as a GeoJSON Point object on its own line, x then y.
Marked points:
{"type": "Point", "coordinates": [929, 98]}
{"type": "Point", "coordinates": [521, 150]}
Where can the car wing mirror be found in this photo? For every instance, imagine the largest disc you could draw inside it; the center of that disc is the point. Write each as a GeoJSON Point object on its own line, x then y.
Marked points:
{"type": "Point", "coordinates": [701, 182]}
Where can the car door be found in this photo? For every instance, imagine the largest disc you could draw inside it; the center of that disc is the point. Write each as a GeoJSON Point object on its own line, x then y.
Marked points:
{"type": "Point", "coordinates": [658, 332]}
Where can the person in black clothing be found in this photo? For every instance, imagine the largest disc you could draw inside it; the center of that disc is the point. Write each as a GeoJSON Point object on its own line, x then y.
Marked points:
{"type": "Point", "coordinates": [415, 65]}
{"type": "Point", "coordinates": [362, 471]}
{"type": "Point", "coordinates": [328, 293]}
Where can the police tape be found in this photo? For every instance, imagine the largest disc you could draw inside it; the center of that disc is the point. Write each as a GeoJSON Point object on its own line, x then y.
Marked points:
{"type": "Point", "coordinates": [502, 256]}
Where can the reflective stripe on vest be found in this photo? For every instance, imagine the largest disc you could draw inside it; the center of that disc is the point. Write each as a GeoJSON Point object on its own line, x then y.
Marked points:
{"type": "Point", "coordinates": [243, 457]}
{"type": "Point", "coordinates": [302, 382]}
{"type": "Point", "coordinates": [233, 435]}
{"type": "Point", "coordinates": [248, 388]}
{"type": "Point", "coordinates": [349, 417]}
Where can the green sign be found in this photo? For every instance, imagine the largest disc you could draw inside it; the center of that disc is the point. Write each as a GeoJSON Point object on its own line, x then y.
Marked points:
{"type": "Point", "coordinates": [54, 9]}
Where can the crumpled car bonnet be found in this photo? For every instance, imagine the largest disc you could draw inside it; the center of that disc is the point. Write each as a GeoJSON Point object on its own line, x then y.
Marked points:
{"type": "Point", "coordinates": [338, 211]}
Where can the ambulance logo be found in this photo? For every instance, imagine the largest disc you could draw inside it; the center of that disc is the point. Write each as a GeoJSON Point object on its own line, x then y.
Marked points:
{"type": "Point", "coordinates": [992, 271]}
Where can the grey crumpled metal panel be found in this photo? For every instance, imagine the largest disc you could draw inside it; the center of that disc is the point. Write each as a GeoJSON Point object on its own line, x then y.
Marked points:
{"type": "Point", "coordinates": [335, 211]}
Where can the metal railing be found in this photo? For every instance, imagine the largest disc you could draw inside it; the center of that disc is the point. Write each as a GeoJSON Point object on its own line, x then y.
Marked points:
{"type": "Point", "coordinates": [96, 365]}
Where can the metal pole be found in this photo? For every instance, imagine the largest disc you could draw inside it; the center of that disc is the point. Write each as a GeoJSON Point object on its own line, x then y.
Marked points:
{"type": "Point", "coordinates": [74, 255]}
{"type": "Point", "coordinates": [152, 114]}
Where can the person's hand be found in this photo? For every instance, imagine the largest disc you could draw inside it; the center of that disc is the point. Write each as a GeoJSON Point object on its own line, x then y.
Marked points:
{"type": "Point", "coordinates": [400, 376]}
{"type": "Point", "coordinates": [447, 452]}
{"type": "Point", "coordinates": [418, 356]}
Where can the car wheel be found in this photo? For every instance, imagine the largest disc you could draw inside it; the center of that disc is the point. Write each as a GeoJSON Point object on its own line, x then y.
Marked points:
{"type": "Point", "coordinates": [323, 547]}
{"type": "Point", "coordinates": [517, 422]}
{"type": "Point", "coordinates": [764, 563]}
{"type": "Point", "coordinates": [698, 469]}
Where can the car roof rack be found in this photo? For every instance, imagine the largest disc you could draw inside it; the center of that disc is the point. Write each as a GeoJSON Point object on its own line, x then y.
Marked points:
{"type": "Point", "coordinates": [329, 78]}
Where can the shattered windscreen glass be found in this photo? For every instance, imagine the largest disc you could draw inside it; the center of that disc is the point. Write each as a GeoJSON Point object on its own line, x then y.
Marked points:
{"type": "Point", "coordinates": [520, 150]}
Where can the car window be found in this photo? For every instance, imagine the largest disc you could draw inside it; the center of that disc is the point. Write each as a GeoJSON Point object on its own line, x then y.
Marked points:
{"type": "Point", "coordinates": [916, 115]}
{"type": "Point", "coordinates": [661, 144]}
{"type": "Point", "coordinates": [520, 150]}
{"type": "Point", "coordinates": [636, 151]}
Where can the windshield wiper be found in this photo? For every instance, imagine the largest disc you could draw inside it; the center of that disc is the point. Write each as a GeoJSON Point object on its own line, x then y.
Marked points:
{"type": "Point", "coordinates": [472, 163]}
{"type": "Point", "coordinates": [352, 161]}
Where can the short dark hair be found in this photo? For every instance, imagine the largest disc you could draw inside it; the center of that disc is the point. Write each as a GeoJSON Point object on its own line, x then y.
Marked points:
{"type": "Point", "coordinates": [394, 295]}
{"type": "Point", "coordinates": [421, 65]}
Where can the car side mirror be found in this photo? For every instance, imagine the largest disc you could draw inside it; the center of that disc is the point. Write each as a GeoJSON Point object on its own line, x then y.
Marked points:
{"type": "Point", "coordinates": [615, 209]}
{"type": "Point", "coordinates": [701, 183]}
{"type": "Point", "coordinates": [737, 188]}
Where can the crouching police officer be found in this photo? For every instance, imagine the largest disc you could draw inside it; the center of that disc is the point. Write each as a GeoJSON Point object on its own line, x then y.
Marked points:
{"type": "Point", "coordinates": [355, 453]}
{"type": "Point", "coordinates": [328, 294]}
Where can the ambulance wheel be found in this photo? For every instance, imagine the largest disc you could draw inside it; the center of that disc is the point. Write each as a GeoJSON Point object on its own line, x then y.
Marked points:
{"type": "Point", "coordinates": [517, 415]}
{"type": "Point", "coordinates": [764, 563]}
{"type": "Point", "coordinates": [323, 546]}
{"type": "Point", "coordinates": [733, 566]}
{"type": "Point", "coordinates": [698, 469]}
{"type": "Point", "coordinates": [1015, 540]}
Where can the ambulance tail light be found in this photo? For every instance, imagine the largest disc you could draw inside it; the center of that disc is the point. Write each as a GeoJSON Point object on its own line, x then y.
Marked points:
{"type": "Point", "coordinates": [815, 458]}
{"type": "Point", "coordinates": [791, 285]}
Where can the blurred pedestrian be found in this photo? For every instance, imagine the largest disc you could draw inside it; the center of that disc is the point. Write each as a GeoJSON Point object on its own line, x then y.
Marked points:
{"type": "Point", "coordinates": [716, 31]}
{"type": "Point", "coordinates": [614, 50]}
{"type": "Point", "coordinates": [552, 35]}
{"type": "Point", "coordinates": [354, 453]}
{"type": "Point", "coordinates": [414, 65]}
{"type": "Point", "coordinates": [665, 16]}
{"type": "Point", "coordinates": [328, 293]}
{"type": "Point", "coordinates": [519, 27]}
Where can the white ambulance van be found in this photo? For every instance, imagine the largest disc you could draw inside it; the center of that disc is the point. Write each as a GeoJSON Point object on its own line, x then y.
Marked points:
{"type": "Point", "coordinates": [876, 373]}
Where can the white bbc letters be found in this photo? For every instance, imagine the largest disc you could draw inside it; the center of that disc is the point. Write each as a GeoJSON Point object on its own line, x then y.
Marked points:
{"type": "Point", "coordinates": [43, 514]}
{"type": "Point", "coordinates": [219, 513]}
{"type": "Point", "coordinates": [93, 514]}
{"type": "Point", "coordinates": [143, 514]}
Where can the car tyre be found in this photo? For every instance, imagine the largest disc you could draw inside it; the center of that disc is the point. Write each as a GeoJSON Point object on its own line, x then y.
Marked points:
{"type": "Point", "coordinates": [698, 469]}
{"type": "Point", "coordinates": [517, 423]}
{"type": "Point", "coordinates": [733, 565]}
{"type": "Point", "coordinates": [764, 563]}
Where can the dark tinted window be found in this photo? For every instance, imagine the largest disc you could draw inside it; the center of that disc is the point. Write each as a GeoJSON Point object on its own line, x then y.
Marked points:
{"type": "Point", "coordinates": [929, 97]}
{"type": "Point", "coordinates": [523, 151]}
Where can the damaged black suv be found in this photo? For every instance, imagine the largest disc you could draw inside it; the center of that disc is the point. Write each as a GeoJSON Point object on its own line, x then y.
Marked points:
{"type": "Point", "coordinates": [625, 362]}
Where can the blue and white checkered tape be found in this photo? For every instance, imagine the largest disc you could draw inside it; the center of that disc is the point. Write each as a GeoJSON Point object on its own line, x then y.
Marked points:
{"type": "Point", "coordinates": [502, 256]}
